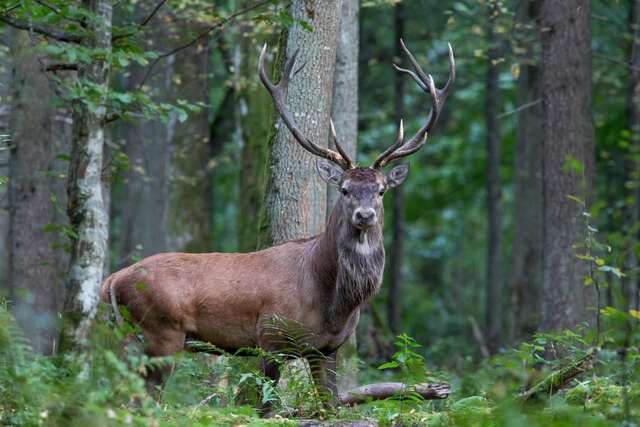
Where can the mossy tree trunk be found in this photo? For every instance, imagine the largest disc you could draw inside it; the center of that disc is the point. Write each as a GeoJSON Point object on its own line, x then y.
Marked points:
{"type": "Point", "coordinates": [255, 111]}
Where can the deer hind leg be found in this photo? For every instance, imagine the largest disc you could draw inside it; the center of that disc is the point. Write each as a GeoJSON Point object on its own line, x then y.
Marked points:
{"type": "Point", "coordinates": [324, 377]}
{"type": "Point", "coordinates": [161, 343]}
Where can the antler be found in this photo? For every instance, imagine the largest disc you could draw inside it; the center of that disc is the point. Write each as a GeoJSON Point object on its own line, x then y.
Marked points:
{"type": "Point", "coordinates": [279, 93]}
{"type": "Point", "coordinates": [438, 96]}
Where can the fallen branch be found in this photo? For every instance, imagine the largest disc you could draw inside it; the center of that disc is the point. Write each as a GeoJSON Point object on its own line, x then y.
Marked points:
{"type": "Point", "coordinates": [378, 391]}
{"type": "Point", "coordinates": [557, 380]}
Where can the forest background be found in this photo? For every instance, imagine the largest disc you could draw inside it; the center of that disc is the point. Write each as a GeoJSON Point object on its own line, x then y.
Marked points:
{"type": "Point", "coordinates": [132, 128]}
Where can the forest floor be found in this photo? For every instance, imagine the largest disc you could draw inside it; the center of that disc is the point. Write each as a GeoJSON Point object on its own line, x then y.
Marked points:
{"type": "Point", "coordinates": [102, 386]}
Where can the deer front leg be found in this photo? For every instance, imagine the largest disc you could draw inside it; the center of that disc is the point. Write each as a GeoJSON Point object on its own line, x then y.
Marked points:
{"type": "Point", "coordinates": [324, 377]}
{"type": "Point", "coordinates": [270, 369]}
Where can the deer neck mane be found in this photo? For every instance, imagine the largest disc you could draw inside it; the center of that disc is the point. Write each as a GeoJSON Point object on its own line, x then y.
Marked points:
{"type": "Point", "coordinates": [349, 263]}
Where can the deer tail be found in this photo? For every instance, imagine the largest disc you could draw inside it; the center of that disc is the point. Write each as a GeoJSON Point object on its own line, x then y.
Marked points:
{"type": "Point", "coordinates": [109, 291]}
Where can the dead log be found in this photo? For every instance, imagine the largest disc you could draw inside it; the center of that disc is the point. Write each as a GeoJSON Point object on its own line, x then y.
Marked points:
{"type": "Point", "coordinates": [378, 391]}
{"type": "Point", "coordinates": [557, 380]}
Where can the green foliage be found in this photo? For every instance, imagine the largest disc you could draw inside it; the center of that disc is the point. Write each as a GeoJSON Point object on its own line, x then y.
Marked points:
{"type": "Point", "coordinates": [102, 385]}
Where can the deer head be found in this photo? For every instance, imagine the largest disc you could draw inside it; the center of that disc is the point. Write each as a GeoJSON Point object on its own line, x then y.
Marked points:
{"type": "Point", "coordinates": [361, 188]}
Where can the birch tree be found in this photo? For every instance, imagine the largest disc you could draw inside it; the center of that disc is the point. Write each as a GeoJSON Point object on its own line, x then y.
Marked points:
{"type": "Point", "coordinates": [86, 209]}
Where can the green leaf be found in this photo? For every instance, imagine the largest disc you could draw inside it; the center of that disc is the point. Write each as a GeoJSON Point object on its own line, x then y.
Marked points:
{"type": "Point", "coordinates": [389, 365]}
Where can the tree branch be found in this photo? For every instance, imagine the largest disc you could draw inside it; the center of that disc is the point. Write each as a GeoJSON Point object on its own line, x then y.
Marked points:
{"type": "Point", "coordinates": [47, 32]}
{"type": "Point", "coordinates": [201, 36]}
{"type": "Point", "coordinates": [153, 12]}
{"type": "Point", "coordinates": [143, 23]}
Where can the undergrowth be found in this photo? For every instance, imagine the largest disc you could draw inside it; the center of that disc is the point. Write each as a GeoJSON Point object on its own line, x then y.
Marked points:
{"type": "Point", "coordinates": [102, 385]}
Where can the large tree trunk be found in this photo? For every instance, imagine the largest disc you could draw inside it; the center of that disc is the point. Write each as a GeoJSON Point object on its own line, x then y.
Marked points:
{"type": "Point", "coordinates": [396, 256]}
{"type": "Point", "coordinates": [344, 110]}
{"type": "Point", "coordinates": [37, 136]}
{"type": "Point", "coordinates": [632, 284]}
{"type": "Point", "coordinates": [493, 301]}
{"type": "Point", "coordinates": [568, 137]}
{"type": "Point", "coordinates": [86, 209]}
{"type": "Point", "coordinates": [295, 201]}
{"type": "Point", "coordinates": [255, 109]}
{"type": "Point", "coordinates": [526, 262]}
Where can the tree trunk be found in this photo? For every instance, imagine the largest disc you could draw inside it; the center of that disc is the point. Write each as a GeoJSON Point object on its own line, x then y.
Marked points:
{"type": "Point", "coordinates": [568, 160]}
{"type": "Point", "coordinates": [5, 89]}
{"type": "Point", "coordinates": [396, 256]}
{"type": "Point", "coordinates": [344, 106]}
{"type": "Point", "coordinates": [36, 139]}
{"type": "Point", "coordinates": [632, 283]}
{"type": "Point", "coordinates": [86, 209]}
{"type": "Point", "coordinates": [493, 305]}
{"type": "Point", "coordinates": [344, 110]}
{"type": "Point", "coordinates": [255, 111]}
{"type": "Point", "coordinates": [526, 262]}
{"type": "Point", "coordinates": [295, 201]}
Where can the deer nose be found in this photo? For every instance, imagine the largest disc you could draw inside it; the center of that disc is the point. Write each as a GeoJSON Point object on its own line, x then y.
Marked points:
{"type": "Point", "coordinates": [364, 216]}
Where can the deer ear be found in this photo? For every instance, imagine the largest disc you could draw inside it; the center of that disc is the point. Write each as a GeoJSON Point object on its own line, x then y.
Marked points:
{"type": "Point", "coordinates": [329, 172]}
{"type": "Point", "coordinates": [397, 175]}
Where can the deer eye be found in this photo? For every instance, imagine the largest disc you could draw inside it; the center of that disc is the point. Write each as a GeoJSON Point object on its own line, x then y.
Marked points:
{"type": "Point", "coordinates": [344, 191]}
{"type": "Point", "coordinates": [381, 192]}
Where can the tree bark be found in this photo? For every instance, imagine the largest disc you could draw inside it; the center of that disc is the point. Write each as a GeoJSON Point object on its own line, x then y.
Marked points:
{"type": "Point", "coordinates": [344, 105]}
{"type": "Point", "coordinates": [396, 255]}
{"type": "Point", "coordinates": [493, 302]}
{"type": "Point", "coordinates": [526, 262]}
{"type": "Point", "coordinates": [255, 110]}
{"type": "Point", "coordinates": [5, 85]}
{"type": "Point", "coordinates": [86, 208]}
{"type": "Point", "coordinates": [568, 160]}
{"type": "Point", "coordinates": [632, 283]}
{"type": "Point", "coordinates": [295, 200]}
{"type": "Point", "coordinates": [37, 137]}
{"type": "Point", "coordinates": [344, 111]}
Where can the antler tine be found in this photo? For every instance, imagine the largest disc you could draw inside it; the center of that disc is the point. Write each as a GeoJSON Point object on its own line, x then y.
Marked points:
{"type": "Point", "coordinates": [399, 141]}
{"type": "Point", "coordinates": [438, 96]}
{"type": "Point", "coordinates": [412, 74]}
{"type": "Point", "coordinates": [278, 94]}
{"type": "Point", "coordinates": [343, 153]}
{"type": "Point", "coordinates": [422, 77]}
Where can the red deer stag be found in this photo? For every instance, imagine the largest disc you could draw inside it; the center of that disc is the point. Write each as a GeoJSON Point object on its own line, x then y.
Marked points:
{"type": "Point", "coordinates": [319, 282]}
